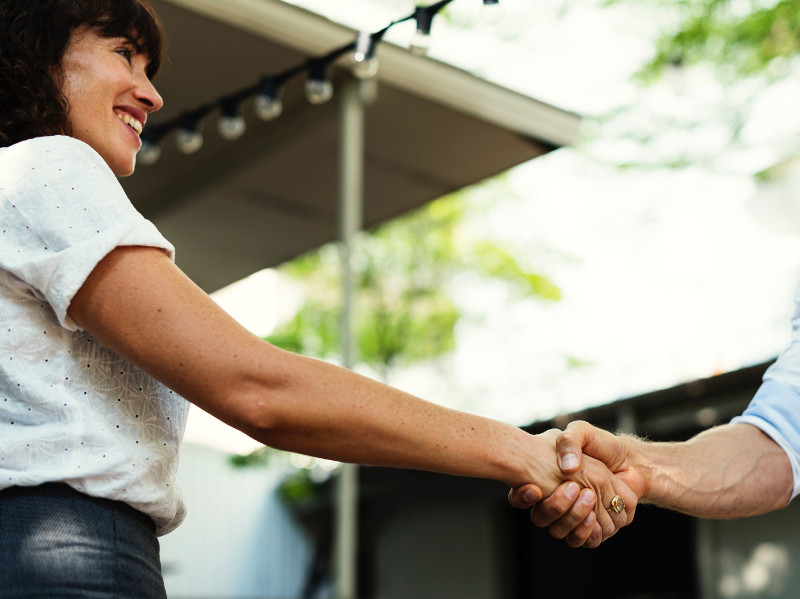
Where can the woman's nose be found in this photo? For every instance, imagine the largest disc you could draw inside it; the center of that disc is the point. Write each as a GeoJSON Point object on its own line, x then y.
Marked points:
{"type": "Point", "coordinates": [147, 94]}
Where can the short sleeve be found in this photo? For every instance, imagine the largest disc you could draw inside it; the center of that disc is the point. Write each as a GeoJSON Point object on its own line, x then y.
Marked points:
{"type": "Point", "coordinates": [62, 211]}
{"type": "Point", "coordinates": [775, 408]}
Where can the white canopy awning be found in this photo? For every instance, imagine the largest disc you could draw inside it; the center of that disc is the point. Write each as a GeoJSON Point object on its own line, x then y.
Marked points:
{"type": "Point", "coordinates": [238, 207]}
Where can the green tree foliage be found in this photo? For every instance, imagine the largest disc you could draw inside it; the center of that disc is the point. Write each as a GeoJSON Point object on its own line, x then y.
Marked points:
{"type": "Point", "coordinates": [750, 47]}
{"type": "Point", "coordinates": [740, 37]}
{"type": "Point", "coordinates": [405, 311]}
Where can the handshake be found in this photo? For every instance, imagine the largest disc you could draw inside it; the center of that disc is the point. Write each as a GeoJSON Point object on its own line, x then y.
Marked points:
{"type": "Point", "coordinates": [730, 471]}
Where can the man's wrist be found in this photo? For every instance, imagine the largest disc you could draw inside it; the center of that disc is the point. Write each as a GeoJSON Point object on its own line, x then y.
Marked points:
{"type": "Point", "coordinates": [642, 464]}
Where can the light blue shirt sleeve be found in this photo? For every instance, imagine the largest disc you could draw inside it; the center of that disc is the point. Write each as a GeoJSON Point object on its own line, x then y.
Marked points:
{"type": "Point", "coordinates": [775, 408]}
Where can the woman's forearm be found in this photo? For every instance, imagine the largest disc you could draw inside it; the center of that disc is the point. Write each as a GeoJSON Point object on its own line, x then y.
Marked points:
{"type": "Point", "coordinates": [726, 472]}
{"type": "Point", "coordinates": [137, 303]}
{"type": "Point", "coordinates": [321, 409]}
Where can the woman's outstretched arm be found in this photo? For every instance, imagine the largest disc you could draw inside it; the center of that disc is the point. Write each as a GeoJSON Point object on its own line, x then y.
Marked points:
{"type": "Point", "coordinates": [139, 304]}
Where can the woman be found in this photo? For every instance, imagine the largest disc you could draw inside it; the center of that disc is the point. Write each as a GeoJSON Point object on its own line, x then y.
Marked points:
{"type": "Point", "coordinates": [102, 336]}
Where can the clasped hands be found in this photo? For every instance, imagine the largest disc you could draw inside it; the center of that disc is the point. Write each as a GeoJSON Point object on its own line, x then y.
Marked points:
{"type": "Point", "coordinates": [595, 467]}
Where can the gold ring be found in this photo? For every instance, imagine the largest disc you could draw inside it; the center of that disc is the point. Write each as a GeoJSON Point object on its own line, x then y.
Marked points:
{"type": "Point", "coordinates": [617, 505]}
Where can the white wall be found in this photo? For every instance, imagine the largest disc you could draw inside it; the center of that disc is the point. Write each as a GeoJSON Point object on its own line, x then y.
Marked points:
{"type": "Point", "coordinates": [239, 541]}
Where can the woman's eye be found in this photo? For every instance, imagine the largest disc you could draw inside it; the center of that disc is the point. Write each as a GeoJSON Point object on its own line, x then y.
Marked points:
{"type": "Point", "coordinates": [126, 53]}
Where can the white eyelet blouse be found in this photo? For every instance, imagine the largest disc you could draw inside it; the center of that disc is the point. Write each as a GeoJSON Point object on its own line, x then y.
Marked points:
{"type": "Point", "coordinates": [71, 410]}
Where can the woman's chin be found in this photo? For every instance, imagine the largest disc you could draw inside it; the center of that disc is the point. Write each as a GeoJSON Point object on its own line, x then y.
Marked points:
{"type": "Point", "coordinates": [123, 168]}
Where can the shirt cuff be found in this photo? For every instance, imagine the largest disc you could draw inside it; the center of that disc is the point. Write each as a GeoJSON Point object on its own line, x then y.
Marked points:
{"type": "Point", "coordinates": [775, 410]}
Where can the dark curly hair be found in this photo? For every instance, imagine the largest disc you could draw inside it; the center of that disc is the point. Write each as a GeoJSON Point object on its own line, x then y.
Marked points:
{"type": "Point", "coordinates": [33, 38]}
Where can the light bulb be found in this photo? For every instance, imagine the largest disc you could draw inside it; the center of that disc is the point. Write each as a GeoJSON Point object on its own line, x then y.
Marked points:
{"type": "Point", "coordinates": [319, 88]}
{"type": "Point", "coordinates": [492, 11]}
{"type": "Point", "coordinates": [149, 153]}
{"type": "Point", "coordinates": [364, 67]}
{"type": "Point", "coordinates": [267, 107]}
{"type": "Point", "coordinates": [421, 40]}
{"type": "Point", "coordinates": [675, 76]}
{"type": "Point", "coordinates": [318, 91]}
{"type": "Point", "coordinates": [365, 64]}
{"type": "Point", "coordinates": [189, 141]}
{"type": "Point", "coordinates": [420, 43]}
{"type": "Point", "coordinates": [231, 126]}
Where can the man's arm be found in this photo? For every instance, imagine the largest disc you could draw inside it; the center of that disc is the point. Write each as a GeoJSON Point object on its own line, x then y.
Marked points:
{"type": "Point", "coordinates": [730, 471]}
{"type": "Point", "coordinates": [726, 472]}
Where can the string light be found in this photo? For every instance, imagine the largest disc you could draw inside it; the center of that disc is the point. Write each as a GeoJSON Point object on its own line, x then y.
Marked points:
{"type": "Point", "coordinates": [675, 75]}
{"type": "Point", "coordinates": [269, 105]}
{"type": "Point", "coordinates": [188, 138]}
{"type": "Point", "coordinates": [267, 92]}
{"type": "Point", "coordinates": [421, 41]}
{"type": "Point", "coordinates": [319, 88]}
{"type": "Point", "coordinates": [365, 63]}
{"type": "Point", "coordinates": [150, 151]}
{"type": "Point", "coordinates": [231, 125]}
{"type": "Point", "coordinates": [189, 141]}
{"type": "Point", "coordinates": [492, 11]}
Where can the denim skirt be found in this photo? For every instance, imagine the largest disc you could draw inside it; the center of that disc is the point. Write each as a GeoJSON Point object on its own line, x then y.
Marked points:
{"type": "Point", "coordinates": [57, 543]}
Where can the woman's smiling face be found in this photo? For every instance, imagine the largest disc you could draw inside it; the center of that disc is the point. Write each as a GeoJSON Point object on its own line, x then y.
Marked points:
{"type": "Point", "coordinates": [109, 96]}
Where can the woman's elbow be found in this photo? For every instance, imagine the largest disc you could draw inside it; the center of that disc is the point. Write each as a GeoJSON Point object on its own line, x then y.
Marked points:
{"type": "Point", "coordinates": [262, 397]}
{"type": "Point", "coordinates": [258, 409]}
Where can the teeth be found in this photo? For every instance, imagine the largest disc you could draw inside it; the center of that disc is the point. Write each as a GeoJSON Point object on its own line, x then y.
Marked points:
{"type": "Point", "coordinates": [131, 122]}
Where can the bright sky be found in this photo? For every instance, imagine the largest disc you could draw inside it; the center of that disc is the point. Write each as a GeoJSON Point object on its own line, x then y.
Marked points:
{"type": "Point", "coordinates": [667, 276]}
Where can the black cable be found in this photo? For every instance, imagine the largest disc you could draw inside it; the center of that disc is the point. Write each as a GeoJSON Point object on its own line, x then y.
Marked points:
{"type": "Point", "coordinates": [189, 119]}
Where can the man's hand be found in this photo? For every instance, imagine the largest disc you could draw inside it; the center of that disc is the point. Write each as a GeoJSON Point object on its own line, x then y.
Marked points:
{"type": "Point", "coordinates": [569, 512]}
{"type": "Point", "coordinates": [729, 471]}
{"type": "Point", "coordinates": [581, 438]}
{"type": "Point", "coordinates": [580, 516]}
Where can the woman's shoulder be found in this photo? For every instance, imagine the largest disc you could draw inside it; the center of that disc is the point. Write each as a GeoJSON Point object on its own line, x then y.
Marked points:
{"type": "Point", "coordinates": [51, 157]}
{"type": "Point", "coordinates": [50, 149]}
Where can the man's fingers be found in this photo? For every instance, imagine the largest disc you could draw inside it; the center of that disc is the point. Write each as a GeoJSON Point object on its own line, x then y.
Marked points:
{"type": "Point", "coordinates": [607, 525]}
{"type": "Point", "coordinates": [610, 521]}
{"type": "Point", "coordinates": [524, 496]}
{"type": "Point", "coordinates": [582, 438]}
{"type": "Point", "coordinates": [569, 447]}
{"type": "Point", "coordinates": [575, 517]}
{"type": "Point", "coordinates": [586, 534]}
{"type": "Point", "coordinates": [629, 501]}
{"type": "Point", "coordinates": [557, 505]}
{"type": "Point", "coordinates": [595, 538]}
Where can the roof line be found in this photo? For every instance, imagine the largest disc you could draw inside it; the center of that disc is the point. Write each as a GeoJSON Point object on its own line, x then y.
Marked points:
{"type": "Point", "coordinates": [310, 33]}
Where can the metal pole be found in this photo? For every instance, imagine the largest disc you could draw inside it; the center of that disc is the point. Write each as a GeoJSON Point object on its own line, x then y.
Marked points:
{"type": "Point", "coordinates": [350, 221]}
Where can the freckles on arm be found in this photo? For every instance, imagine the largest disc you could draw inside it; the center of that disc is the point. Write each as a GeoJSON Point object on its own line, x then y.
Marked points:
{"type": "Point", "coordinates": [137, 303]}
